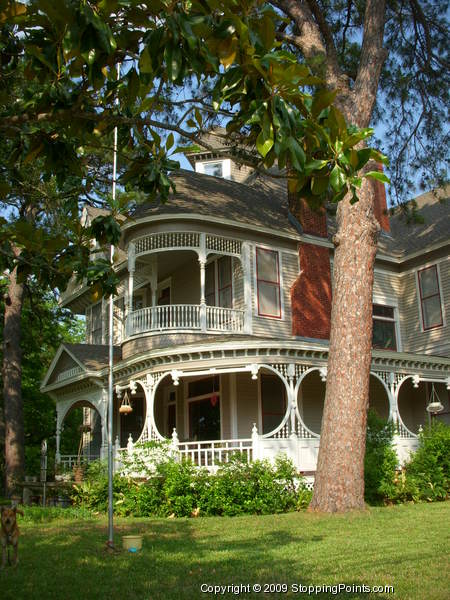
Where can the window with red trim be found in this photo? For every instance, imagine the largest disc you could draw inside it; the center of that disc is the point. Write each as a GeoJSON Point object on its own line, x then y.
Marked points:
{"type": "Point", "coordinates": [430, 298]}
{"type": "Point", "coordinates": [268, 283]}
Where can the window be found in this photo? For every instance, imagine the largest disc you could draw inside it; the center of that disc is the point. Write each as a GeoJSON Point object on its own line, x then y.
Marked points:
{"type": "Point", "coordinates": [204, 409]}
{"type": "Point", "coordinates": [273, 402]}
{"type": "Point", "coordinates": [219, 283]}
{"type": "Point", "coordinates": [96, 324]}
{"type": "Point", "coordinates": [384, 335]}
{"type": "Point", "coordinates": [430, 298]}
{"type": "Point", "coordinates": [216, 167]}
{"type": "Point", "coordinates": [213, 168]}
{"type": "Point", "coordinates": [268, 283]}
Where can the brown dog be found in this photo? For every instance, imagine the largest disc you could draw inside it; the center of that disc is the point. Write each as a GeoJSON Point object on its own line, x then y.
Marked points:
{"type": "Point", "coordinates": [9, 533]}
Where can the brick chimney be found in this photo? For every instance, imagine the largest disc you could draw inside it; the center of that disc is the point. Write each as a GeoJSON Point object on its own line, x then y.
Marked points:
{"type": "Point", "coordinates": [311, 291]}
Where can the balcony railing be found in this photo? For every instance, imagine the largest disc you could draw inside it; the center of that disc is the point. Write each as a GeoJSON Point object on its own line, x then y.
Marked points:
{"type": "Point", "coordinates": [185, 317]}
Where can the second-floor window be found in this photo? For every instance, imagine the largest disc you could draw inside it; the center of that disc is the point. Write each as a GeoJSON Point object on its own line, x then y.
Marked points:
{"type": "Point", "coordinates": [268, 283]}
{"type": "Point", "coordinates": [219, 283]}
{"type": "Point", "coordinates": [384, 335]}
{"type": "Point", "coordinates": [94, 314]}
{"type": "Point", "coordinates": [430, 298]}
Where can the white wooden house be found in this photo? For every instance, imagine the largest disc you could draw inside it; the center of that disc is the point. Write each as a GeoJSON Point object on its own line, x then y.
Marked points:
{"type": "Point", "coordinates": [222, 321]}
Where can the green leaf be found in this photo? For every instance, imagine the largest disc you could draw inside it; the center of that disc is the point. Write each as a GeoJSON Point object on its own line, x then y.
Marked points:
{"type": "Point", "coordinates": [145, 62]}
{"type": "Point", "coordinates": [264, 145]}
{"type": "Point", "coordinates": [337, 178]}
{"type": "Point", "coordinates": [319, 185]}
{"type": "Point", "coordinates": [170, 141]}
{"type": "Point", "coordinates": [321, 100]}
{"type": "Point", "coordinates": [314, 165]}
{"type": "Point", "coordinates": [378, 176]}
{"type": "Point", "coordinates": [357, 137]}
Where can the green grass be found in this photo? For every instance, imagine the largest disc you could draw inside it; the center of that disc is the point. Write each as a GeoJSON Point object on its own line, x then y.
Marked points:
{"type": "Point", "coordinates": [403, 546]}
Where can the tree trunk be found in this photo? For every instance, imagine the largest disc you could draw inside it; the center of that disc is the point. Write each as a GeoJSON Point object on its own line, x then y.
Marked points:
{"type": "Point", "coordinates": [12, 385]}
{"type": "Point", "coordinates": [339, 482]}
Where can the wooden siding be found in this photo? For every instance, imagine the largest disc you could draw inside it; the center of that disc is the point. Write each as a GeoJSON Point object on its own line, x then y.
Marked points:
{"type": "Point", "coordinates": [433, 341]}
{"type": "Point", "coordinates": [238, 284]}
{"type": "Point", "coordinates": [270, 327]}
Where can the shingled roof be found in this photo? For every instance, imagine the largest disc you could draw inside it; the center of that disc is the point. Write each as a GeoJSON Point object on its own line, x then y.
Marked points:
{"type": "Point", "coordinates": [412, 237]}
{"type": "Point", "coordinates": [93, 356]}
{"type": "Point", "coordinates": [262, 204]}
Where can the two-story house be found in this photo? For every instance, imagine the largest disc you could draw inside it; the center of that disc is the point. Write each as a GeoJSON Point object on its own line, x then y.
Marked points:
{"type": "Point", "coordinates": [222, 321]}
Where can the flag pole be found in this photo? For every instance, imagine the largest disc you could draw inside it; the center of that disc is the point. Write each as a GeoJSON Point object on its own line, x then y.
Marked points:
{"type": "Point", "coordinates": [110, 542]}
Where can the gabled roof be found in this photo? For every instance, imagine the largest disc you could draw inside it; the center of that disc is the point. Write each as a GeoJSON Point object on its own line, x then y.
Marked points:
{"type": "Point", "coordinates": [83, 359]}
{"type": "Point", "coordinates": [262, 204]}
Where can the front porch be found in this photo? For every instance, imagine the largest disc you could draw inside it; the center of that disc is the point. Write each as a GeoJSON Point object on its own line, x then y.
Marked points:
{"type": "Point", "coordinates": [258, 398]}
{"type": "Point", "coordinates": [264, 410]}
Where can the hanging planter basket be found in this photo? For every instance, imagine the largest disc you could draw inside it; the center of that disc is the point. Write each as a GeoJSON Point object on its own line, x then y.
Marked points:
{"type": "Point", "coordinates": [434, 405]}
{"type": "Point", "coordinates": [125, 406]}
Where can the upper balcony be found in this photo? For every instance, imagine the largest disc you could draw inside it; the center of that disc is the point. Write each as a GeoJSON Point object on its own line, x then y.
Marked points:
{"type": "Point", "coordinates": [186, 282]}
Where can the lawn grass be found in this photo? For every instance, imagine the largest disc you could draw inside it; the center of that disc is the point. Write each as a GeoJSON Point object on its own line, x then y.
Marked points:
{"type": "Point", "coordinates": [403, 546]}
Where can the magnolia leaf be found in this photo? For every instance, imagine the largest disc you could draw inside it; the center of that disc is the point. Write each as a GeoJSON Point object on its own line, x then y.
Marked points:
{"type": "Point", "coordinates": [321, 100]}
{"type": "Point", "coordinates": [264, 145]}
{"type": "Point", "coordinates": [378, 176]}
{"type": "Point", "coordinates": [145, 62]}
{"type": "Point", "coordinates": [337, 178]}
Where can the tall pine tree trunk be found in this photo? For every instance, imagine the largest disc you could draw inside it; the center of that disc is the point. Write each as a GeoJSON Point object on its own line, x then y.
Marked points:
{"type": "Point", "coordinates": [339, 482]}
{"type": "Point", "coordinates": [12, 385]}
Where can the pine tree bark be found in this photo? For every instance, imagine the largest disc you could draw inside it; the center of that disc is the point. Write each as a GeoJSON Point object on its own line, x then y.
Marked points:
{"type": "Point", "coordinates": [339, 480]}
{"type": "Point", "coordinates": [12, 385]}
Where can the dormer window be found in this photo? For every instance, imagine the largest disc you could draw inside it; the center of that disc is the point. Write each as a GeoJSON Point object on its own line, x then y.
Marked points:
{"type": "Point", "coordinates": [215, 168]}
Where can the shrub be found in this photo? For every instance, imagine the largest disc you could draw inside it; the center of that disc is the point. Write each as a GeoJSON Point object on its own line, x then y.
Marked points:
{"type": "Point", "coordinates": [426, 477]}
{"type": "Point", "coordinates": [179, 488]}
{"type": "Point", "coordinates": [380, 462]}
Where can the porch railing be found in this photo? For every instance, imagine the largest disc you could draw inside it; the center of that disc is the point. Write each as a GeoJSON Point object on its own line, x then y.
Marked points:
{"type": "Point", "coordinates": [211, 453]}
{"type": "Point", "coordinates": [185, 317]}
{"type": "Point", "coordinates": [224, 319]}
{"type": "Point", "coordinates": [169, 316]}
{"type": "Point", "coordinates": [68, 461]}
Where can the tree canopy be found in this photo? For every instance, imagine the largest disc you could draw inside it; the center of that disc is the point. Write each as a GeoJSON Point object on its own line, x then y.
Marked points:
{"type": "Point", "coordinates": [73, 72]}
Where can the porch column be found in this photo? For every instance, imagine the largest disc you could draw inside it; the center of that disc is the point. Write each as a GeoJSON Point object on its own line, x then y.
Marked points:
{"type": "Point", "coordinates": [59, 427]}
{"type": "Point", "coordinates": [149, 387]}
{"type": "Point", "coordinates": [58, 444]}
{"type": "Point", "coordinates": [393, 400]}
{"type": "Point", "coordinates": [154, 279]}
{"type": "Point", "coordinates": [131, 269]}
{"type": "Point", "coordinates": [202, 263]}
{"type": "Point", "coordinates": [291, 399]}
{"type": "Point", "coordinates": [245, 260]}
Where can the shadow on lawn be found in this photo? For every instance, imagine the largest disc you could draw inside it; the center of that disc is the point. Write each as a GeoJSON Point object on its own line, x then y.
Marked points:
{"type": "Point", "coordinates": [69, 561]}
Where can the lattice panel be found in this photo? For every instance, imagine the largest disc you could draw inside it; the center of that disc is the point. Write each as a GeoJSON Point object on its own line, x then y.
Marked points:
{"type": "Point", "coordinates": [159, 241]}
{"type": "Point", "coordinates": [385, 376]}
{"type": "Point", "coordinates": [223, 245]}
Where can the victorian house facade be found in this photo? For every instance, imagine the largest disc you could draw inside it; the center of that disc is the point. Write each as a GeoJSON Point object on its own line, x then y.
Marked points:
{"type": "Point", "coordinates": [222, 319]}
